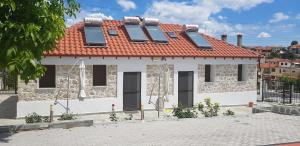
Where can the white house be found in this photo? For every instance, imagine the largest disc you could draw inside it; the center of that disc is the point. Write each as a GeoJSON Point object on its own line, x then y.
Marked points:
{"type": "Point", "coordinates": [123, 61]}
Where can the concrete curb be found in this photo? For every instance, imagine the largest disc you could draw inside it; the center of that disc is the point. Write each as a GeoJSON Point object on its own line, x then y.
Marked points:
{"type": "Point", "coordinates": [279, 109]}
{"type": "Point", "coordinates": [41, 126]}
{"type": "Point", "coordinates": [69, 124]}
{"type": "Point", "coordinates": [259, 110]}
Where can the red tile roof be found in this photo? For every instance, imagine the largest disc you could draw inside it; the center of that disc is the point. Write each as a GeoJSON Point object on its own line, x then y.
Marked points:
{"type": "Point", "coordinates": [295, 47]}
{"type": "Point", "coordinates": [277, 60]}
{"type": "Point", "coordinates": [72, 44]}
{"type": "Point", "coordinates": [268, 65]}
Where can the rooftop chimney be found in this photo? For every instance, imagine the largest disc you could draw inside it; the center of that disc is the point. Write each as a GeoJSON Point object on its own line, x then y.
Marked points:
{"type": "Point", "coordinates": [224, 37]}
{"type": "Point", "coordinates": [239, 39]}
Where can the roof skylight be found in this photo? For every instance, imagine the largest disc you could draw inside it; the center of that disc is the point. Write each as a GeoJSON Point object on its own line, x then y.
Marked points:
{"type": "Point", "coordinates": [112, 32]}
{"type": "Point", "coordinates": [171, 34]}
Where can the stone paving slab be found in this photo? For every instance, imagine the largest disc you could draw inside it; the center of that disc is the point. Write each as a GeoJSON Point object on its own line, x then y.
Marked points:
{"type": "Point", "coordinates": [256, 129]}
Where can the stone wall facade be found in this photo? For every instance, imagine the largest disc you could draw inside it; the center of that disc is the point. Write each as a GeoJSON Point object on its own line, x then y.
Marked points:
{"type": "Point", "coordinates": [152, 79]}
{"type": "Point", "coordinates": [225, 79]}
{"type": "Point", "coordinates": [31, 91]}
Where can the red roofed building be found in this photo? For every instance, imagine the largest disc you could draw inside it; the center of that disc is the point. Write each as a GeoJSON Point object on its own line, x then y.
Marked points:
{"type": "Point", "coordinates": [130, 63]}
{"type": "Point", "coordinates": [278, 67]}
{"type": "Point", "coordinates": [295, 49]}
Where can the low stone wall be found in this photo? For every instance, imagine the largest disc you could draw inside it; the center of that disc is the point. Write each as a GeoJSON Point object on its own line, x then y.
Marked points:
{"type": "Point", "coordinates": [279, 109]}
{"type": "Point", "coordinates": [40, 126]}
{"type": "Point", "coordinates": [225, 79]}
{"type": "Point", "coordinates": [286, 110]}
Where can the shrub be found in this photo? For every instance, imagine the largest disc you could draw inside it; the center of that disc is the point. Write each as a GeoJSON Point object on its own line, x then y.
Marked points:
{"type": "Point", "coordinates": [209, 109]}
{"type": "Point", "coordinates": [33, 118]}
{"type": "Point", "coordinates": [67, 116]}
{"type": "Point", "coordinates": [130, 116]}
{"type": "Point", "coordinates": [113, 116]}
{"type": "Point", "coordinates": [180, 112]}
{"type": "Point", "coordinates": [46, 119]}
{"type": "Point", "coordinates": [228, 113]}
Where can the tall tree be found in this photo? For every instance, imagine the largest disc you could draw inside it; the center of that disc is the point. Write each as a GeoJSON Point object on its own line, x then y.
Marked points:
{"type": "Point", "coordinates": [294, 43]}
{"type": "Point", "coordinates": [28, 28]}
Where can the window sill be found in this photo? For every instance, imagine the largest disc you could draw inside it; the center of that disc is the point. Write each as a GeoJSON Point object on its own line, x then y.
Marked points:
{"type": "Point", "coordinates": [100, 86]}
{"type": "Point", "coordinates": [46, 88]}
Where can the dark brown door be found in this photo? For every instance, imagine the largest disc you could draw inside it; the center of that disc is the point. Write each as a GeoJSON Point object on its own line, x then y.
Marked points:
{"type": "Point", "coordinates": [185, 88]}
{"type": "Point", "coordinates": [131, 91]}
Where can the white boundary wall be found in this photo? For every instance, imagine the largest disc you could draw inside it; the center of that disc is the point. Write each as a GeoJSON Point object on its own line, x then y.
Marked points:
{"type": "Point", "coordinates": [134, 64]}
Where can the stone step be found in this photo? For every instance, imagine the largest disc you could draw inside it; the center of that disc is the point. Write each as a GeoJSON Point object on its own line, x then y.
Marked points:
{"type": "Point", "coordinates": [4, 129]}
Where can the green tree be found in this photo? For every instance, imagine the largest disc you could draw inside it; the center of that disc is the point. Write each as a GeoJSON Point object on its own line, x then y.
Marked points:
{"type": "Point", "coordinates": [273, 55]}
{"type": "Point", "coordinates": [294, 43]}
{"type": "Point", "coordinates": [28, 28]}
{"type": "Point", "coordinates": [287, 80]}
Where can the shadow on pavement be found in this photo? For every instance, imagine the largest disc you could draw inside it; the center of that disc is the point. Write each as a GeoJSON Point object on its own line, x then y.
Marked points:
{"type": "Point", "coordinates": [8, 106]}
{"type": "Point", "coordinates": [4, 137]}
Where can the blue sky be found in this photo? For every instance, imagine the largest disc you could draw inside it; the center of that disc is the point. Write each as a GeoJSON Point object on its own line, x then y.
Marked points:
{"type": "Point", "coordinates": [262, 22]}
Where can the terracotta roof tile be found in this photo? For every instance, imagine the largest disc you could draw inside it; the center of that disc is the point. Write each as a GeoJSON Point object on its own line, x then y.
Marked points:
{"type": "Point", "coordinates": [268, 65]}
{"type": "Point", "coordinates": [295, 46]}
{"type": "Point", "coordinates": [72, 44]}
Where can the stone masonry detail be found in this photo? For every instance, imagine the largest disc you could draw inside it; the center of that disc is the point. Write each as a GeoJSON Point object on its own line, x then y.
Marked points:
{"type": "Point", "coordinates": [31, 92]}
{"type": "Point", "coordinates": [226, 79]}
{"type": "Point", "coordinates": [152, 80]}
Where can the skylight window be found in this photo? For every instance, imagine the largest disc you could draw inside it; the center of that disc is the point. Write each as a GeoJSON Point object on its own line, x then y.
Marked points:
{"type": "Point", "coordinates": [156, 34]}
{"type": "Point", "coordinates": [198, 39]}
{"type": "Point", "coordinates": [172, 34]}
{"type": "Point", "coordinates": [112, 32]}
{"type": "Point", "coordinates": [94, 36]}
{"type": "Point", "coordinates": [135, 33]}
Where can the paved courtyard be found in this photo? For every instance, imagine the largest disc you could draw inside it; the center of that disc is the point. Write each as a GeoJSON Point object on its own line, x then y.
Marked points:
{"type": "Point", "coordinates": [257, 129]}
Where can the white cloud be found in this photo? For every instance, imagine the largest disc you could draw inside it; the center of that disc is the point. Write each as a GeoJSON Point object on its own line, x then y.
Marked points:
{"type": "Point", "coordinates": [199, 12]}
{"type": "Point", "coordinates": [286, 26]}
{"type": "Point", "coordinates": [279, 16]}
{"type": "Point", "coordinates": [222, 17]}
{"type": "Point", "coordinates": [236, 4]}
{"type": "Point", "coordinates": [263, 35]}
{"type": "Point", "coordinates": [126, 4]}
{"type": "Point", "coordinates": [298, 16]}
{"type": "Point", "coordinates": [83, 13]}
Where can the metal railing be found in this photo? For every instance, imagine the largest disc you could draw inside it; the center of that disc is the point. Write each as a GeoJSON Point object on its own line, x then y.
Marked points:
{"type": "Point", "coordinates": [8, 83]}
{"type": "Point", "coordinates": [280, 92]}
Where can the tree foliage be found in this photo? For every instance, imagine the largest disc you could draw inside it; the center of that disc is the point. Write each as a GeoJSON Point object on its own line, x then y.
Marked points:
{"type": "Point", "coordinates": [273, 55]}
{"type": "Point", "coordinates": [287, 80]}
{"type": "Point", "coordinates": [294, 43]}
{"type": "Point", "coordinates": [28, 28]}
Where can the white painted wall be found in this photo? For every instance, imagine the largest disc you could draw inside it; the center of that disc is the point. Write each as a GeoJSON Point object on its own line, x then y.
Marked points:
{"type": "Point", "coordinates": [137, 65]}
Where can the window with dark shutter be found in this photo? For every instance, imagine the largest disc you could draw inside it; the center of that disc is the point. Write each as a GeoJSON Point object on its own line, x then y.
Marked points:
{"type": "Point", "coordinates": [207, 73]}
{"type": "Point", "coordinates": [48, 80]}
{"type": "Point", "coordinates": [240, 72]}
{"type": "Point", "coordinates": [99, 75]}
